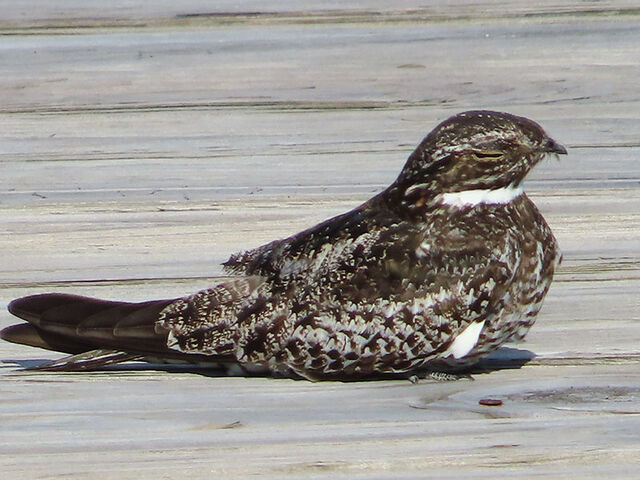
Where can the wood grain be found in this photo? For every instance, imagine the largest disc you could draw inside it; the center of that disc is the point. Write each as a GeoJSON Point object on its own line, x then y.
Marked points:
{"type": "Point", "coordinates": [143, 143]}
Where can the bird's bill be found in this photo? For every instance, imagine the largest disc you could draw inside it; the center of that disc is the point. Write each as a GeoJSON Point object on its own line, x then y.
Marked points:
{"type": "Point", "coordinates": [554, 147]}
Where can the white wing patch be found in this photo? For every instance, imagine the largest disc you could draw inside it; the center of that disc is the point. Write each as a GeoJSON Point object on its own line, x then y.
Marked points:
{"type": "Point", "coordinates": [465, 341]}
{"type": "Point", "coordinates": [479, 197]}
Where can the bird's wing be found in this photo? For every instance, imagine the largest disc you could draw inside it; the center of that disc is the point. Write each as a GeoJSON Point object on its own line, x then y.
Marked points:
{"type": "Point", "coordinates": [97, 332]}
{"type": "Point", "coordinates": [370, 254]}
{"type": "Point", "coordinates": [409, 290]}
{"type": "Point", "coordinates": [101, 332]}
{"type": "Point", "coordinates": [267, 259]}
{"type": "Point", "coordinates": [207, 322]}
{"type": "Point", "coordinates": [383, 289]}
{"type": "Point", "coordinates": [75, 324]}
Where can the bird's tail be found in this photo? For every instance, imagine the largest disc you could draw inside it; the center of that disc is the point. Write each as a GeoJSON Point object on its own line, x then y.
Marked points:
{"type": "Point", "coordinates": [96, 332]}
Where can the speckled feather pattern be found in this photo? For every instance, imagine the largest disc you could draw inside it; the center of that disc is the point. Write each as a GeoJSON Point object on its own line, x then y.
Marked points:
{"type": "Point", "coordinates": [381, 296]}
{"type": "Point", "coordinates": [439, 269]}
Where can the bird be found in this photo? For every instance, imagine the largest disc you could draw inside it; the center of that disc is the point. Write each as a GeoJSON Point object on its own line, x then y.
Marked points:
{"type": "Point", "coordinates": [436, 271]}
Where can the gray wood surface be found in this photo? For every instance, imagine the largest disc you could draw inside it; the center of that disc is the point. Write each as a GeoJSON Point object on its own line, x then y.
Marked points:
{"type": "Point", "coordinates": [143, 142]}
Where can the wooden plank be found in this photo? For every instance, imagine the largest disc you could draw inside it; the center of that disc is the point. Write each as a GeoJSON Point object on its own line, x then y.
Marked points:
{"type": "Point", "coordinates": [142, 144]}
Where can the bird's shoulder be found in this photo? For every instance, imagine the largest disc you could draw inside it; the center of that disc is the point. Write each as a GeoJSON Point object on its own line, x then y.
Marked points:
{"type": "Point", "coordinates": [345, 236]}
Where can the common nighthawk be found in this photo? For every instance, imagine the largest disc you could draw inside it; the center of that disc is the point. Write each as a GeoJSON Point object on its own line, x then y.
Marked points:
{"type": "Point", "coordinates": [439, 269]}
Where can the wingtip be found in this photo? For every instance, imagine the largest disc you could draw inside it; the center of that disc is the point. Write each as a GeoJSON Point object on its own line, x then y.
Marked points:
{"type": "Point", "coordinates": [14, 306]}
{"type": "Point", "coordinates": [23, 334]}
{"type": "Point", "coordinates": [6, 333]}
{"type": "Point", "coordinates": [31, 307]}
{"type": "Point", "coordinates": [22, 305]}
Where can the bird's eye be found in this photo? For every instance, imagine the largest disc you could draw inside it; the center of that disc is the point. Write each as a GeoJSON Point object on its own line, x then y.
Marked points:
{"type": "Point", "coordinates": [487, 156]}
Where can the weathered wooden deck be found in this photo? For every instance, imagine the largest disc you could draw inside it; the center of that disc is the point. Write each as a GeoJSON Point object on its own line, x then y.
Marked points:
{"type": "Point", "coordinates": [142, 144]}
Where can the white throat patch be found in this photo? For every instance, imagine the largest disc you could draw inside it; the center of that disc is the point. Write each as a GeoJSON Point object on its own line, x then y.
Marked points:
{"type": "Point", "coordinates": [478, 197]}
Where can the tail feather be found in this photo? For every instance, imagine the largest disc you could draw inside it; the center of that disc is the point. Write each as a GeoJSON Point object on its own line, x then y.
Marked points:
{"type": "Point", "coordinates": [90, 360]}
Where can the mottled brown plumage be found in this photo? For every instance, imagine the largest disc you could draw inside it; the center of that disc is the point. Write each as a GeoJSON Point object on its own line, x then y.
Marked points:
{"type": "Point", "coordinates": [441, 268]}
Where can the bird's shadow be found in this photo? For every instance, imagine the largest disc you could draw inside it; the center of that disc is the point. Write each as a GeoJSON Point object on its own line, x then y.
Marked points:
{"type": "Point", "coordinates": [23, 364]}
{"type": "Point", "coordinates": [505, 358]}
{"type": "Point", "coordinates": [32, 366]}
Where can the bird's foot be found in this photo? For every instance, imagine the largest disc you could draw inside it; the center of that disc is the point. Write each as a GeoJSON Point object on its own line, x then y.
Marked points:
{"type": "Point", "coordinates": [438, 376]}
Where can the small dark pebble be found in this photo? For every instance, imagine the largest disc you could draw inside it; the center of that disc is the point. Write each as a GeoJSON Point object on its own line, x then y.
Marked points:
{"type": "Point", "coordinates": [490, 402]}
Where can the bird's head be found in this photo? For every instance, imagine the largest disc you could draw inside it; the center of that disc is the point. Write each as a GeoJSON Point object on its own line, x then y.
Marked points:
{"type": "Point", "coordinates": [476, 150]}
